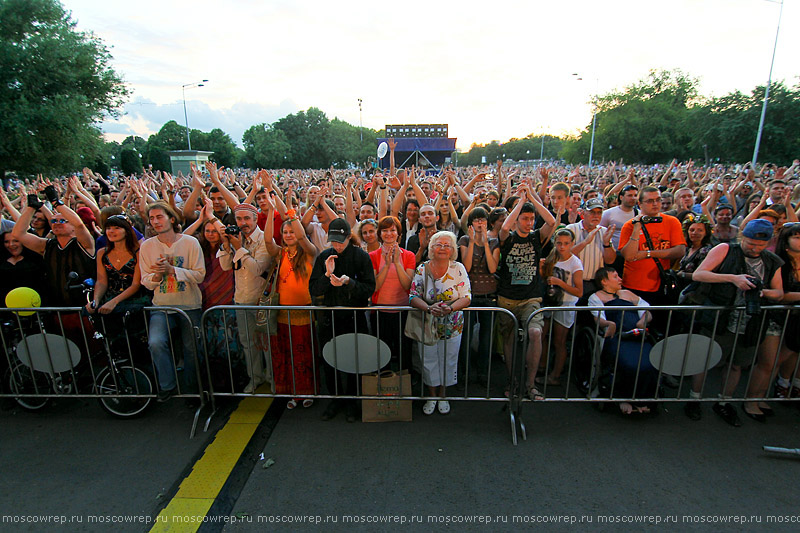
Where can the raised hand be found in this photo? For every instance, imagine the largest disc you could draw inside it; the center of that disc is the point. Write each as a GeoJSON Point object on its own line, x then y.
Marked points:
{"type": "Point", "coordinates": [330, 264]}
{"type": "Point", "coordinates": [609, 234]}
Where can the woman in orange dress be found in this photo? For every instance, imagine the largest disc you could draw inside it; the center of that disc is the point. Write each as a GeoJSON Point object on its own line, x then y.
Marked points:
{"type": "Point", "coordinates": [292, 348]}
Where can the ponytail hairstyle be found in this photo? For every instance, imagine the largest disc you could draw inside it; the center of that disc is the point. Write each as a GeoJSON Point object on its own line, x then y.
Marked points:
{"type": "Point", "coordinates": [552, 257]}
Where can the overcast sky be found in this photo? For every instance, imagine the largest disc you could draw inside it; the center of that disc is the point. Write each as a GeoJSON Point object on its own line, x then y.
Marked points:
{"type": "Point", "coordinates": [491, 70]}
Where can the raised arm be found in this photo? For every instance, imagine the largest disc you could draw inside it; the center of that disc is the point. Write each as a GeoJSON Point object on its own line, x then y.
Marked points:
{"type": "Point", "coordinates": [213, 173]}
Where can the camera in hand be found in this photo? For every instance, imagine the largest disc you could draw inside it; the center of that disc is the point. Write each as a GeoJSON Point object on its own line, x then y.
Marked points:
{"type": "Point", "coordinates": [233, 229]}
{"type": "Point", "coordinates": [652, 220]}
{"type": "Point", "coordinates": [752, 297]}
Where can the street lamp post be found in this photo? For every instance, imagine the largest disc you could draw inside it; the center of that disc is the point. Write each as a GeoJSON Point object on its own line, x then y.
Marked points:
{"type": "Point", "coordinates": [185, 115]}
{"type": "Point", "coordinates": [360, 123]}
{"type": "Point", "coordinates": [594, 115]}
{"type": "Point", "coordinates": [541, 154]}
{"type": "Point", "coordinates": [766, 93]}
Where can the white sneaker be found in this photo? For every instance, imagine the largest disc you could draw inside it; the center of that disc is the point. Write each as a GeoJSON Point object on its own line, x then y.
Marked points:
{"type": "Point", "coordinates": [429, 407]}
{"type": "Point", "coordinates": [444, 407]}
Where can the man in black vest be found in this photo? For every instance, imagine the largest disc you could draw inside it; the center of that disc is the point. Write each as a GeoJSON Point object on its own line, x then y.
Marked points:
{"type": "Point", "coordinates": [739, 272]}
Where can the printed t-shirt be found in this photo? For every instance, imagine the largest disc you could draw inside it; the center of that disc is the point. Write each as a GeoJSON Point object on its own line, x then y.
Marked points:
{"type": "Point", "coordinates": [518, 272]}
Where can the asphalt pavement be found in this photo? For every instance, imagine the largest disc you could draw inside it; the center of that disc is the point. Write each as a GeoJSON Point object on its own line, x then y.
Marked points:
{"type": "Point", "coordinates": [579, 469]}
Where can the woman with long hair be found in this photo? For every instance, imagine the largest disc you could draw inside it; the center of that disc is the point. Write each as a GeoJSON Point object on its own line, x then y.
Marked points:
{"type": "Point", "coordinates": [292, 348]}
{"type": "Point", "coordinates": [787, 384]}
{"type": "Point", "coordinates": [217, 287]}
{"type": "Point", "coordinates": [697, 230]}
{"type": "Point", "coordinates": [118, 274]}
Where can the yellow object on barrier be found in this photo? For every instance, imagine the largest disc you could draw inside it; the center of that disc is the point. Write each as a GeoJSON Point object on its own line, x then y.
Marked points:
{"type": "Point", "coordinates": [23, 297]}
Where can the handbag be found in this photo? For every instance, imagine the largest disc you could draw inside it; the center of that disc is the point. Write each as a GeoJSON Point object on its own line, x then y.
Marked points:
{"type": "Point", "coordinates": [670, 285]}
{"type": "Point", "coordinates": [267, 319]}
{"type": "Point", "coordinates": [421, 326]}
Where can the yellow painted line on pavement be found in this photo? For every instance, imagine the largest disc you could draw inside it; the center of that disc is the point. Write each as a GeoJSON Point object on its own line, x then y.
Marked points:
{"type": "Point", "coordinates": [197, 492]}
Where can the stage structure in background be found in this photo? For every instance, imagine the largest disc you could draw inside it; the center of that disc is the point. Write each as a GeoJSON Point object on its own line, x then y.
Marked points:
{"type": "Point", "coordinates": [423, 145]}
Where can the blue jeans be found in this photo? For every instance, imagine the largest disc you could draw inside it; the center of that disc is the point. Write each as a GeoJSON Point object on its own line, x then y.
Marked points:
{"type": "Point", "coordinates": [161, 324]}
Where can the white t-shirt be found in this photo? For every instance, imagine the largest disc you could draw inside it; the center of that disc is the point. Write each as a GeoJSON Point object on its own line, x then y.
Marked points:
{"type": "Point", "coordinates": [618, 217]}
{"type": "Point", "coordinates": [565, 271]}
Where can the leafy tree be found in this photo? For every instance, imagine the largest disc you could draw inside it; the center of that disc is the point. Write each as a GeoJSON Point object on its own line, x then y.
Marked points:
{"type": "Point", "coordinates": [727, 126]}
{"type": "Point", "coordinates": [171, 136]}
{"type": "Point", "coordinates": [130, 162]}
{"type": "Point", "coordinates": [646, 122]}
{"type": "Point", "coordinates": [56, 83]}
{"type": "Point", "coordinates": [306, 132]}
{"type": "Point", "coordinates": [266, 147]}
{"type": "Point", "coordinates": [220, 143]}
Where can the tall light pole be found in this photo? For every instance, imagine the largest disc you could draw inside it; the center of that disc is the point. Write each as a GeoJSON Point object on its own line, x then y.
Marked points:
{"type": "Point", "coordinates": [594, 115]}
{"type": "Point", "coordinates": [360, 124]}
{"type": "Point", "coordinates": [541, 153]}
{"type": "Point", "coordinates": [185, 116]}
{"type": "Point", "coordinates": [766, 93]}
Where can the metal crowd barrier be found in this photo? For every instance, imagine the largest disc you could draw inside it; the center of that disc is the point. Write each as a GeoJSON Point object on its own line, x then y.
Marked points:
{"type": "Point", "coordinates": [60, 352]}
{"type": "Point", "coordinates": [380, 345]}
{"type": "Point", "coordinates": [688, 350]}
{"type": "Point", "coordinates": [50, 355]}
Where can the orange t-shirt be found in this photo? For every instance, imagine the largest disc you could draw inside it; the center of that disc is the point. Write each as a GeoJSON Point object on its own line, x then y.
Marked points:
{"type": "Point", "coordinates": [643, 275]}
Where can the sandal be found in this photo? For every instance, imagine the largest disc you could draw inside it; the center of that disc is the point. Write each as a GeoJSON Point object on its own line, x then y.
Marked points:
{"type": "Point", "coordinates": [308, 402]}
{"type": "Point", "coordinates": [429, 407]}
{"type": "Point", "coordinates": [291, 404]}
{"type": "Point", "coordinates": [444, 407]}
{"type": "Point", "coordinates": [534, 394]}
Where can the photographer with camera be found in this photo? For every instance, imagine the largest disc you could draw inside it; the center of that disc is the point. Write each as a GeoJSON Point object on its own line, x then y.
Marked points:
{"type": "Point", "coordinates": [741, 274]}
{"type": "Point", "coordinates": [650, 242]}
{"type": "Point", "coordinates": [244, 251]}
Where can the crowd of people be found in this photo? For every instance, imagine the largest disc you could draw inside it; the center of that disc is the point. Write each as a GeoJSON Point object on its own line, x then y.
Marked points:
{"type": "Point", "coordinates": [518, 238]}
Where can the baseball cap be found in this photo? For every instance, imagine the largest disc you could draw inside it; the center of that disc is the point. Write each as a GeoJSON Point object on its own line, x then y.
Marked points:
{"type": "Point", "coordinates": [593, 203]}
{"type": "Point", "coordinates": [758, 229]}
{"type": "Point", "coordinates": [339, 230]}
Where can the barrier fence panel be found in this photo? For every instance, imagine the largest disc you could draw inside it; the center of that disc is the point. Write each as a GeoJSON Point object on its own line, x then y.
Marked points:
{"type": "Point", "coordinates": [671, 354]}
{"type": "Point", "coordinates": [310, 353]}
{"type": "Point", "coordinates": [348, 354]}
{"type": "Point", "coordinates": [65, 352]}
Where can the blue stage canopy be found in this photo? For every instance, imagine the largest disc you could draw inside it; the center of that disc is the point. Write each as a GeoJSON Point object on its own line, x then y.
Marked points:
{"type": "Point", "coordinates": [434, 149]}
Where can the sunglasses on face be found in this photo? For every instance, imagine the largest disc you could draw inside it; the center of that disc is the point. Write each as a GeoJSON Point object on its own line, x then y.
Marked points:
{"type": "Point", "coordinates": [58, 221]}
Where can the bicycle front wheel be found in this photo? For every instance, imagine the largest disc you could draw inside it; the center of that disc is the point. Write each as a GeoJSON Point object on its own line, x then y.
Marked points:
{"type": "Point", "coordinates": [22, 380]}
{"type": "Point", "coordinates": [128, 391]}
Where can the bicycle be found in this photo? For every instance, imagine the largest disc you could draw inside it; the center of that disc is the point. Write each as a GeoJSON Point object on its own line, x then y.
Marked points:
{"type": "Point", "coordinates": [47, 362]}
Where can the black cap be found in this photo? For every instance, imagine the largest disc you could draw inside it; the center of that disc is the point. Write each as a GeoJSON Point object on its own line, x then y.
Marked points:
{"type": "Point", "coordinates": [338, 230]}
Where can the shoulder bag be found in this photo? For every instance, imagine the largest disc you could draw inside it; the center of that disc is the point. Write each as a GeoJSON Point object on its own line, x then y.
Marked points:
{"type": "Point", "coordinates": [670, 286]}
{"type": "Point", "coordinates": [421, 326]}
